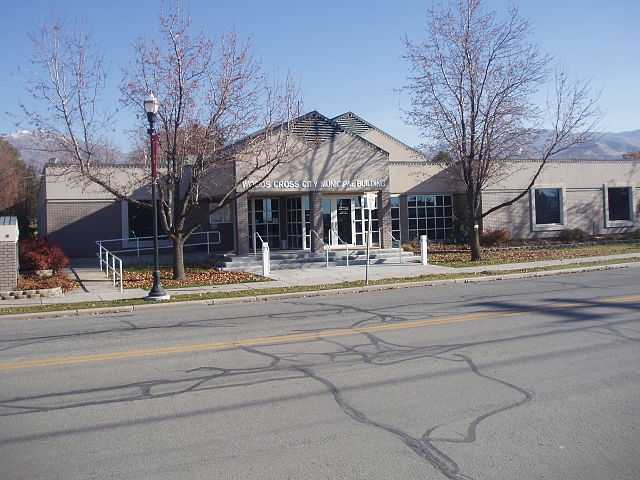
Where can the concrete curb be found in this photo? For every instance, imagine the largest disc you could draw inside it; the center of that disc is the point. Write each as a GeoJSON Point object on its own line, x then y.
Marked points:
{"type": "Point", "coordinates": [309, 293]}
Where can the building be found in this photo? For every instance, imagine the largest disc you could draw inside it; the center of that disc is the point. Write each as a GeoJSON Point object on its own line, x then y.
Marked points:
{"type": "Point", "coordinates": [319, 197]}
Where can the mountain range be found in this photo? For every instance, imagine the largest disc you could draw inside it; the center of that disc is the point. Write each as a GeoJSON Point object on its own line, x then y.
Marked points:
{"type": "Point", "coordinates": [36, 151]}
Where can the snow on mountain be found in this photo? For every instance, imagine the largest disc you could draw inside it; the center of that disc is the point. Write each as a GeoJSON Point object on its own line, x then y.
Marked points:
{"type": "Point", "coordinates": [36, 149]}
{"type": "Point", "coordinates": [606, 146]}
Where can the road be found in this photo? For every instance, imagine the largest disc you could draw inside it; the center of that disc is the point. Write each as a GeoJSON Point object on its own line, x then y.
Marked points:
{"type": "Point", "coordinates": [534, 378]}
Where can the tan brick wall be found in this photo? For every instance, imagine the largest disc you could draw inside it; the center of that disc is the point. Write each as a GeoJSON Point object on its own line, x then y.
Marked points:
{"type": "Point", "coordinates": [584, 209]}
{"type": "Point", "coordinates": [8, 265]}
{"type": "Point", "coordinates": [76, 225]}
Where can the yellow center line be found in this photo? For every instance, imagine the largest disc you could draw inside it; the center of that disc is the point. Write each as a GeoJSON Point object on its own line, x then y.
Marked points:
{"type": "Point", "coordinates": [298, 337]}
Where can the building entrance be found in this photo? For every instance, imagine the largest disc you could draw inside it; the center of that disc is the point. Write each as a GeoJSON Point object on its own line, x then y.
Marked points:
{"type": "Point", "coordinates": [337, 217]}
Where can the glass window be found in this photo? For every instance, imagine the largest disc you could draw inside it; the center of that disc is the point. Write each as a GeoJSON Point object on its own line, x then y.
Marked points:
{"type": "Point", "coordinates": [395, 217]}
{"type": "Point", "coordinates": [619, 203]}
{"type": "Point", "coordinates": [224, 215]}
{"type": "Point", "coordinates": [265, 215]}
{"type": "Point", "coordinates": [548, 206]}
{"type": "Point", "coordinates": [435, 221]}
{"type": "Point", "coordinates": [141, 221]}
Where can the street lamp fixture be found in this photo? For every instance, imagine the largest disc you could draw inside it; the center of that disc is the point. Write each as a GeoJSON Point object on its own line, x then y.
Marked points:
{"type": "Point", "coordinates": [151, 107]}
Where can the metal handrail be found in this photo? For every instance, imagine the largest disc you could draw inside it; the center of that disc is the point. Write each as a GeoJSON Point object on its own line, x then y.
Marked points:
{"type": "Point", "coordinates": [255, 243]}
{"type": "Point", "coordinates": [326, 247]}
{"type": "Point", "coordinates": [333, 231]}
{"type": "Point", "coordinates": [138, 248]}
{"type": "Point", "coordinates": [110, 265]}
{"type": "Point", "coordinates": [393, 239]}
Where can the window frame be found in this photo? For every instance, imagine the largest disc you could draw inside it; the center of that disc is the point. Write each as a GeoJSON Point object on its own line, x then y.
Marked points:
{"type": "Point", "coordinates": [224, 215]}
{"type": "Point", "coordinates": [545, 227]}
{"type": "Point", "coordinates": [632, 206]}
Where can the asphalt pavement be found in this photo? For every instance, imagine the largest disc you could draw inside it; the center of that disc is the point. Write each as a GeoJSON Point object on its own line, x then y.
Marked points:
{"type": "Point", "coordinates": [529, 379]}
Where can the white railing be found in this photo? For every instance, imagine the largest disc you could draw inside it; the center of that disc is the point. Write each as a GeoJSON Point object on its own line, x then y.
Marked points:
{"type": "Point", "coordinates": [334, 233]}
{"type": "Point", "coordinates": [393, 239]}
{"type": "Point", "coordinates": [266, 254]}
{"type": "Point", "coordinates": [324, 245]}
{"type": "Point", "coordinates": [257, 236]}
{"type": "Point", "coordinates": [107, 262]}
{"type": "Point", "coordinates": [141, 244]}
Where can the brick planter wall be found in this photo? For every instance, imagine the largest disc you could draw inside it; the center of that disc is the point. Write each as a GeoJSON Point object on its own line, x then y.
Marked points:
{"type": "Point", "coordinates": [8, 253]}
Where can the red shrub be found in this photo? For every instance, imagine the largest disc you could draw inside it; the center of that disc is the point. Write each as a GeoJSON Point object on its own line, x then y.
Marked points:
{"type": "Point", "coordinates": [39, 254]}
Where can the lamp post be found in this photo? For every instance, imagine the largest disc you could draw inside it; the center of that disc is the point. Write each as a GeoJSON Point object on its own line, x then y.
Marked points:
{"type": "Point", "coordinates": [151, 106]}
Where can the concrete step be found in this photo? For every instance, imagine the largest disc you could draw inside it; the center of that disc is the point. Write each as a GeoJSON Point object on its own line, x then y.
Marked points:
{"type": "Point", "coordinates": [296, 260]}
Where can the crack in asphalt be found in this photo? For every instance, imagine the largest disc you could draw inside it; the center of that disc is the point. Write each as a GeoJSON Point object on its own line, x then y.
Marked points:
{"type": "Point", "coordinates": [295, 365]}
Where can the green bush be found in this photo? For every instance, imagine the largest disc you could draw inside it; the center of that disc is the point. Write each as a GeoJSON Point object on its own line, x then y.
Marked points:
{"type": "Point", "coordinates": [574, 235]}
{"type": "Point", "coordinates": [491, 238]}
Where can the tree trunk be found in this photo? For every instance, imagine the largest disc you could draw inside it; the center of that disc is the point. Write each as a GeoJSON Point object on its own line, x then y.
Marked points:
{"type": "Point", "coordinates": [178, 259]}
{"type": "Point", "coordinates": [472, 222]}
{"type": "Point", "coordinates": [474, 241]}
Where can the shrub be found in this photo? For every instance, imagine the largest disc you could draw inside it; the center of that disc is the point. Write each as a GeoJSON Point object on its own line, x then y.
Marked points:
{"type": "Point", "coordinates": [491, 238]}
{"type": "Point", "coordinates": [39, 254]}
{"type": "Point", "coordinates": [574, 235]}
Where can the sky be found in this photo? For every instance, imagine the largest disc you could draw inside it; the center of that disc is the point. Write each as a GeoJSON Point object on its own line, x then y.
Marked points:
{"type": "Point", "coordinates": [346, 55]}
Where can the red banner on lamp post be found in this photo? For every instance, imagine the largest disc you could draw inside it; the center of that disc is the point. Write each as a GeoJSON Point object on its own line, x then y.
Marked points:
{"type": "Point", "coordinates": [154, 157]}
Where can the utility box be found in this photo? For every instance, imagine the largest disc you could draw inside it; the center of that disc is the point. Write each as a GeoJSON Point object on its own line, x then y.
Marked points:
{"type": "Point", "coordinates": [8, 253]}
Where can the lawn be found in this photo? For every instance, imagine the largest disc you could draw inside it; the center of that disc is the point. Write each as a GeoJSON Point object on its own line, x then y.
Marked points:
{"type": "Point", "coordinates": [442, 254]}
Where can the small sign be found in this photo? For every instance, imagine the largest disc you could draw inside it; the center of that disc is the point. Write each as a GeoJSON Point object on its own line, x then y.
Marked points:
{"type": "Point", "coordinates": [372, 200]}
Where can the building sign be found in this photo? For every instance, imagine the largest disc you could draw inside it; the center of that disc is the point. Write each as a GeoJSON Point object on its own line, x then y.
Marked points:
{"type": "Point", "coordinates": [372, 200]}
{"type": "Point", "coordinates": [314, 184]}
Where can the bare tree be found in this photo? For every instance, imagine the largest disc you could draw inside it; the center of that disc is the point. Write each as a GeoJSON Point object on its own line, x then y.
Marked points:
{"type": "Point", "coordinates": [212, 94]}
{"type": "Point", "coordinates": [473, 84]}
{"type": "Point", "coordinates": [20, 186]}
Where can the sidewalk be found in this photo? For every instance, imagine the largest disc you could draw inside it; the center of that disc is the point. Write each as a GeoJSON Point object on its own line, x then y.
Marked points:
{"type": "Point", "coordinates": [95, 286]}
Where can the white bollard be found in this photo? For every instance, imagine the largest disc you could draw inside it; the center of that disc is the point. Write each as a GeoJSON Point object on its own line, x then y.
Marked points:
{"type": "Point", "coordinates": [423, 249]}
{"type": "Point", "coordinates": [266, 260]}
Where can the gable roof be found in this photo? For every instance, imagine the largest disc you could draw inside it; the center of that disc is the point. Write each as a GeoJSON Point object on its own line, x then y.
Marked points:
{"type": "Point", "coordinates": [314, 128]}
{"type": "Point", "coordinates": [358, 126]}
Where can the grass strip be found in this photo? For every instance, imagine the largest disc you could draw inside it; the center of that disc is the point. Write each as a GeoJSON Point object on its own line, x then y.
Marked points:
{"type": "Point", "coordinates": [301, 289]}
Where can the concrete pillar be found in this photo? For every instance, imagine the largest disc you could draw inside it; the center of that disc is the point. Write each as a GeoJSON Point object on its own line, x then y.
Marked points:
{"type": "Point", "coordinates": [384, 219]}
{"type": "Point", "coordinates": [315, 217]}
{"type": "Point", "coordinates": [243, 231]}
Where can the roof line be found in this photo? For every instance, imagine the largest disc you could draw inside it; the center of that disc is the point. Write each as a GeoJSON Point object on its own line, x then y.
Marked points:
{"type": "Point", "coordinates": [384, 133]}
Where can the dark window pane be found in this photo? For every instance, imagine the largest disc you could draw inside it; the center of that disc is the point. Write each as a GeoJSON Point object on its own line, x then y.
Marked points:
{"type": "Point", "coordinates": [547, 206]}
{"type": "Point", "coordinates": [619, 203]}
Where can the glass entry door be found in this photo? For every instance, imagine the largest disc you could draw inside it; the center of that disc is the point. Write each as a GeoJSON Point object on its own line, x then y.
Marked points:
{"type": "Point", "coordinates": [337, 217]}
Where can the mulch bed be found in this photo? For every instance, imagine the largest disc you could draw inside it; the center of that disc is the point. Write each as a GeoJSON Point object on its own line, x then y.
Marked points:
{"type": "Point", "coordinates": [195, 276]}
{"type": "Point", "coordinates": [37, 282]}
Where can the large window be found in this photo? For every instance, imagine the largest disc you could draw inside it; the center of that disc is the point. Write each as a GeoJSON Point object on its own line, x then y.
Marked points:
{"type": "Point", "coordinates": [430, 215]}
{"type": "Point", "coordinates": [619, 209]}
{"type": "Point", "coordinates": [295, 232]}
{"type": "Point", "coordinates": [265, 216]}
{"type": "Point", "coordinates": [547, 208]}
{"type": "Point", "coordinates": [395, 217]}
{"type": "Point", "coordinates": [140, 221]}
